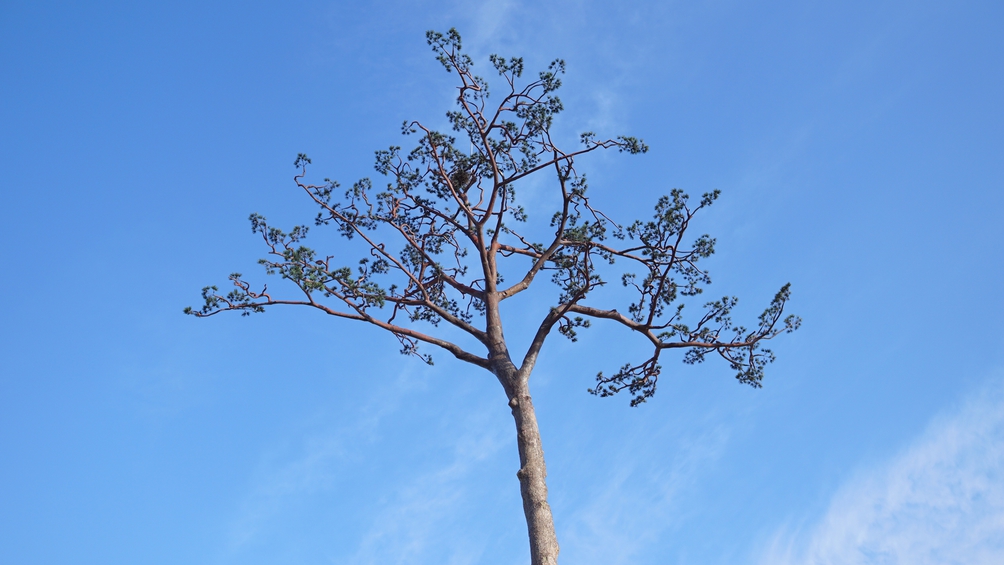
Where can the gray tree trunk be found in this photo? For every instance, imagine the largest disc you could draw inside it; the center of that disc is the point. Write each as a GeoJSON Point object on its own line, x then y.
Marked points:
{"type": "Point", "coordinates": [532, 472]}
{"type": "Point", "coordinates": [532, 476]}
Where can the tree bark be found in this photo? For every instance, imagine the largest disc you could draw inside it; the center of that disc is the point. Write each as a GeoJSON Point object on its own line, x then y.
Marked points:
{"type": "Point", "coordinates": [532, 476]}
{"type": "Point", "coordinates": [532, 472]}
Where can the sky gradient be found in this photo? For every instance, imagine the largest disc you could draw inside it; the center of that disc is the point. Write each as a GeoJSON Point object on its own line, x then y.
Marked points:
{"type": "Point", "coordinates": [859, 147]}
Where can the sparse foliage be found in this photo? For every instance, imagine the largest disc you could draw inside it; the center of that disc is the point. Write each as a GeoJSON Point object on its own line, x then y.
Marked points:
{"type": "Point", "coordinates": [444, 241]}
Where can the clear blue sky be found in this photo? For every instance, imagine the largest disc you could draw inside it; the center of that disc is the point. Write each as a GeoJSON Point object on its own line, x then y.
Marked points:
{"type": "Point", "coordinates": [859, 147]}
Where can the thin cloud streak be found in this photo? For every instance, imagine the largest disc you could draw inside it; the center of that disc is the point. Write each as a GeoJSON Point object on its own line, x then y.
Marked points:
{"type": "Point", "coordinates": [429, 516]}
{"type": "Point", "coordinates": [317, 467]}
{"type": "Point", "coordinates": [638, 505]}
{"type": "Point", "coordinates": [432, 515]}
{"type": "Point", "coordinates": [941, 501]}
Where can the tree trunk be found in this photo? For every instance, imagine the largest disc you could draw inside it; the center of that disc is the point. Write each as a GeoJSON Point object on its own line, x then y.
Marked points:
{"type": "Point", "coordinates": [532, 472]}
{"type": "Point", "coordinates": [532, 476]}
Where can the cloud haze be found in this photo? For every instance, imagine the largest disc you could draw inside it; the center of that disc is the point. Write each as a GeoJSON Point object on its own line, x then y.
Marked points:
{"type": "Point", "coordinates": [941, 501]}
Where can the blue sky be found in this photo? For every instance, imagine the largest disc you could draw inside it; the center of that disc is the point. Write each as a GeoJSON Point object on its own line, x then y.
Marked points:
{"type": "Point", "coordinates": [859, 147]}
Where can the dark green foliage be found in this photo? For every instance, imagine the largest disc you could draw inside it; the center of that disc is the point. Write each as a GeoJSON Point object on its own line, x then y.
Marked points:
{"type": "Point", "coordinates": [438, 240]}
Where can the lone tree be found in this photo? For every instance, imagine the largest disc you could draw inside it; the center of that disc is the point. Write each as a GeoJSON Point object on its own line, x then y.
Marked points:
{"type": "Point", "coordinates": [438, 238]}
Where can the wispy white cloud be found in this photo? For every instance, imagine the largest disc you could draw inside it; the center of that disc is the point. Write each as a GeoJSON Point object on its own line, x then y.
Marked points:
{"type": "Point", "coordinates": [941, 501]}
{"type": "Point", "coordinates": [429, 514]}
{"type": "Point", "coordinates": [423, 518]}
{"type": "Point", "coordinates": [316, 463]}
{"type": "Point", "coordinates": [639, 503]}
{"type": "Point", "coordinates": [489, 19]}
